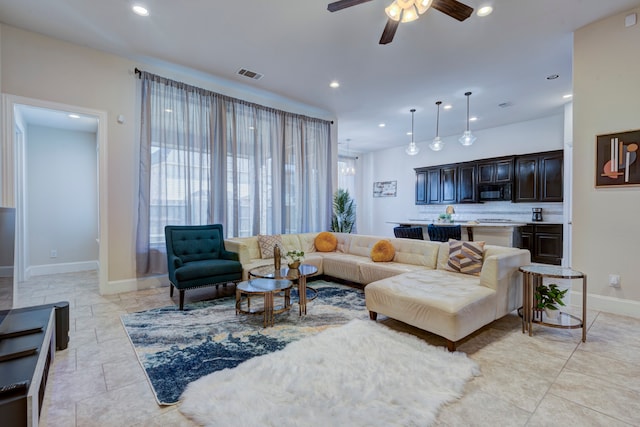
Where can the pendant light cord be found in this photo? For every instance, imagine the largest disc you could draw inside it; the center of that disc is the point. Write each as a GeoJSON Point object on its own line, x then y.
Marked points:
{"type": "Point", "coordinates": [413, 110]}
{"type": "Point", "coordinates": [467, 95]}
{"type": "Point", "coordinates": [438, 119]}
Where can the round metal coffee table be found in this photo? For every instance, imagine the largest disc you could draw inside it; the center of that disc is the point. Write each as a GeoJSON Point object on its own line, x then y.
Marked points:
{"type": "Point", "coordinates": [298, 275]}
{"type": "Point", "coordinates": [268, 288]}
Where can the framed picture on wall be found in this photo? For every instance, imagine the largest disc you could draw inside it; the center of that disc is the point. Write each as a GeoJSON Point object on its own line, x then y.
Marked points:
{"type": "Point", "coordinates": [385, 188]}
{"type": "Point", "coordinates": [617, 163]}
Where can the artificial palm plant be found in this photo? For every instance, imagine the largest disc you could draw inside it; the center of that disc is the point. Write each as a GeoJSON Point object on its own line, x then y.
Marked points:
{"type": "Point", "coordinates": [344, 212]}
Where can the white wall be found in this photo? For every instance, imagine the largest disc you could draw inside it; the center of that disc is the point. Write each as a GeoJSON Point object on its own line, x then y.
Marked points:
{"type": "Point", "coordinates": [395, 165]}
{"type": "Point", "coordinates": [39, 67]}
{"type": "Point", "coordinates": [606, 234]}
{"type": "Point", "coordinates": [61, 189]}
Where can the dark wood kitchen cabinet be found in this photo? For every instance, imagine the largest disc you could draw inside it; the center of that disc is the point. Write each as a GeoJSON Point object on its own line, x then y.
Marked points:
{"type": "Point", "coordinates": [544, 241]}
{"type": "Point", "coordinates": [498, 171]}
{"type": "Point", "coordinates": [436, 185]}
{"type": "Point", "coordinates": [539, 177]}
{"type": "Point", "coordinates": [467, 183]}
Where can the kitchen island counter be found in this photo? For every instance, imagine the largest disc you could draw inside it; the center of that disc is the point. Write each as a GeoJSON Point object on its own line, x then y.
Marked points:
{"type": "Point", "coordinates": [501, 233]}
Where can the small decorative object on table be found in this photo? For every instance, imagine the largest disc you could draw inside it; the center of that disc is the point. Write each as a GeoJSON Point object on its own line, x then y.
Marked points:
{"type": "Point", "coordinates": [277, 256]}
{"type": "Point", "coordinates": [548, 298]}
{"type": "Point", "coordinates": [295, 258]}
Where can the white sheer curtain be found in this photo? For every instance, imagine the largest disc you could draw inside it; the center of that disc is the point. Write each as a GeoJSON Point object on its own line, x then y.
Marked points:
{"type": "Point", "coordinates": [208, 158]}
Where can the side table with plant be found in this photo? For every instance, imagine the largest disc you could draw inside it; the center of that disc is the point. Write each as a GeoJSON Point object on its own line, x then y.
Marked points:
{"type": "Point", "coordinates": [548, 298]}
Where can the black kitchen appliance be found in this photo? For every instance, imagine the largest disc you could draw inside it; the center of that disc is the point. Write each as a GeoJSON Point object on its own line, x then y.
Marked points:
{"type": "Point", "coordinates": [494, 192]}
{"type": "Point", "coordinates": [536, 214]}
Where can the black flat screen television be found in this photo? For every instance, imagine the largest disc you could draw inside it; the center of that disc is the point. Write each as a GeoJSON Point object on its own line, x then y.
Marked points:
{"type": "Point", "coordinates": [7, 250]}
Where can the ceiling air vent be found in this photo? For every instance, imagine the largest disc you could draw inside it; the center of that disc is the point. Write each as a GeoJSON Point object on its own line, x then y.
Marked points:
{"type": "Point", "coordinates": [250, 74]}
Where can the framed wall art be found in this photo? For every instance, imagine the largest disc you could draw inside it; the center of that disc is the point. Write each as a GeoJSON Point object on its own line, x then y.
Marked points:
{"type": "Point", "coordinates": [617, 163]}
{"type": "Point", "coordinates": [385, 188]}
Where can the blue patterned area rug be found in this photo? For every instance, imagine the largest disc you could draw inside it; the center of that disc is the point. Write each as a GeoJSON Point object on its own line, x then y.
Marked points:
{"type": "Point", "coordinates": [177, 347]}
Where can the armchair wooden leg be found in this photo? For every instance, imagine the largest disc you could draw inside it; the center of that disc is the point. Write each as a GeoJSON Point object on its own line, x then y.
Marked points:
{"type": "Point", "coordinates": [181, 299]}
{"type": "Point", "coordinates": [170, 289]}
{"type": "Point", "coordinates": [373, 315]}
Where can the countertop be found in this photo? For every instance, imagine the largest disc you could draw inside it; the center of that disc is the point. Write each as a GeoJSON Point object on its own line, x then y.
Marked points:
{"type": "Point", "coordinates": [465, 224]}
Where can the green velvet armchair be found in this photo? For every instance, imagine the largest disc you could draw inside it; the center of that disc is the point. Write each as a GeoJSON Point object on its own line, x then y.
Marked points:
{"type": "Point", "coordinates": [196, 257]}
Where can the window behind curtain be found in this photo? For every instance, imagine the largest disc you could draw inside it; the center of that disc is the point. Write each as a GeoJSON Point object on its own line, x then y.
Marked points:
{"type": "Point", "coordinates": [207, 158]}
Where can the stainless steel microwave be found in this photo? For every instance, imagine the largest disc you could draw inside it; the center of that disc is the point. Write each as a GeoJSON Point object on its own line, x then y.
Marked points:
{"type": "Point", "coordinates": [494, 192]}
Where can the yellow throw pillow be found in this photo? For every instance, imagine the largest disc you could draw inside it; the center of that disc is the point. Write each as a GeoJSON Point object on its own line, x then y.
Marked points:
{"type": "Point", "coordinates": [465, 257]}
{"type": "Point", "coordinates": [325, 242]}
{"type": "Point", "coordinates": [267, 242]}
{"type": "Point", "coordinates": [383, 251]}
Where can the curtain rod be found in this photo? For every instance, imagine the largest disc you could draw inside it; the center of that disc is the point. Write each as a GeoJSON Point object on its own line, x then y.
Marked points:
{"type": "Point", "coordinates": [138, 71]}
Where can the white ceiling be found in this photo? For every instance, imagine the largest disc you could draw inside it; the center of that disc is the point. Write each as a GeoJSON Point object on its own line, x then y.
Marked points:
{"type": "Point", "coordinates": [35, 116]}
{"type": "Point", "coordinates": [300, 47]}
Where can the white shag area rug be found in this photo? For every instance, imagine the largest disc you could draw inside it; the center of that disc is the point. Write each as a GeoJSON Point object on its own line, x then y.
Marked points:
{"type": "Point", "coordinates": [359, 374]}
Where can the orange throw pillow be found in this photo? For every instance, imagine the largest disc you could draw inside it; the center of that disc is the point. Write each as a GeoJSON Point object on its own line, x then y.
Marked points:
{"type": "Point", "coordinates": [325, 242]}
{"type": "Point", "coordinates": [383, 251]}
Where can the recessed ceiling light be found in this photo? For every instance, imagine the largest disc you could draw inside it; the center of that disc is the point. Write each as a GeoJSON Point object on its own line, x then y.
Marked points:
{"type": "Point", "coordinates": [473, 119]}
{"type": "Point", "coordinates": [448, 107]}
{"type": "Point", "coordinates": [74, 116]}
{"type": "Point", "coordinates": [552, 77]}
{"type": "Point", "coordinates": [409, 133]}
{"type": "Point", "coordinates": [381, 125]}
{"type": "Point", "coordinates": [567, 96]}
{"type": "Point", "coordinates": [484, 11]}
{"type": "Point", "coordinates": [334, 84]}
{"type": "Point", "coordinates": [140, 10]}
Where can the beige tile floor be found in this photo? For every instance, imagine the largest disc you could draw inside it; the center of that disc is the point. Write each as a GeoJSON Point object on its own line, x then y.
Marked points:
{"type": "Point", "coordinates": [548, 379]}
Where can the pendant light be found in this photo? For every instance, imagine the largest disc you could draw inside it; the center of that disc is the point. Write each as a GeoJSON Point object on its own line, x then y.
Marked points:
{"type": "Point", "coordinates": [412, 149]}
{"type": "Point", "coordinates": [437, 144]}
{"type": "Point", "coordinates": [467, 137]}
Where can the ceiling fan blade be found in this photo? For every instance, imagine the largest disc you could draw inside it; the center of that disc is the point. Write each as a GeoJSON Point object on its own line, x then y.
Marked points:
{"type": "Point", "coordinates": [343, 4]}
{"type": "Point", "coordinates": [389, 31]}
{"type": "Point", "coordinates": [453, 8]}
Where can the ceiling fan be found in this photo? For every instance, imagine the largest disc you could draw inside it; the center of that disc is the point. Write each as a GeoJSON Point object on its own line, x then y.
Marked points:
{"type": "Point", "coordinates": [407, 11]}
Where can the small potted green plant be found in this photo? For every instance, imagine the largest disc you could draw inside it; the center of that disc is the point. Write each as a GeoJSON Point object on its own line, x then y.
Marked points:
{"type": "Point", "coordinates": [548, 298]}
{"type": "Point", "coordinates": [295, 258]}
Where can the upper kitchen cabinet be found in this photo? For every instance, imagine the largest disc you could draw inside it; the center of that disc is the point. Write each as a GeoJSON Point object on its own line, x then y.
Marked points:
{"type": "Point", "coordinates": [539, 177]}
{"type": "Point", "coordinates": [497, 171]}
{"type": "Point", "coordinates": [467, 176]}
{"type": "Point", "coordinates": [436, 185]}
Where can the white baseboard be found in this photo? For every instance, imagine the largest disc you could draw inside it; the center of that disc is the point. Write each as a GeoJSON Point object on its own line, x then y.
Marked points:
{"type": "Point", "coordinates": [130, 285]}
{"type": "Point", "coordinates": [67, 267]}
{"type": "Point", "coordinates": [623, 307]}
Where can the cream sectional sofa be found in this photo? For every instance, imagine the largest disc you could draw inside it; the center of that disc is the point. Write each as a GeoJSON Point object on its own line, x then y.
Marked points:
{"type": "Point", "coordinates": [416, 287]}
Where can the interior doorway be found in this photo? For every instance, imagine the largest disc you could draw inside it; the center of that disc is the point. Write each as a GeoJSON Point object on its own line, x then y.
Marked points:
{"type": "Point", "coordinates": [22, 113]}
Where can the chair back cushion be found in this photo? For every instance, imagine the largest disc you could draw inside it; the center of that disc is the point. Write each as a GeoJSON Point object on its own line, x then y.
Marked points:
{"type": "Point", "coordinates": [195, 243]}
{"type": "Point", "coordinates": [442, 233]}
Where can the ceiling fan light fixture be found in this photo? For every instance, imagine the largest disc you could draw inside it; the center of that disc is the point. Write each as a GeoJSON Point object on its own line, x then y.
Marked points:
{"type": "Point", "coordinates": [393, 11]}
{"type": "Point", "coordinates": [409, 15]}
{"type": "Point", "coordinates": [423, 5]}
{"type": "Point", "coordinates": [467, 137]}
{"type": "Point", "coordinates": [412, 149]}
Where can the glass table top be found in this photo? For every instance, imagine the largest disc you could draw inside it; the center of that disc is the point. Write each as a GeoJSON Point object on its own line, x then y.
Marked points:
{"type": "Point", "coordinates": [552, 271]}
{"type": "Point", "coordinates": [264, 285]}
{"type": "Point", "coordinates": [268, 272]}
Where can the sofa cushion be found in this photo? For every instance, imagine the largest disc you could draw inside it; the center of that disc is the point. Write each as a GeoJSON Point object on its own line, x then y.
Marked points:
{"type": "Point", "coordinates": [383, 251]}
{"type": "Point", "coordinates": [416, 252]}
{"type": "Point", "coordinates": [465, 257]}
{"type": "Point", "coordinates": [325, 242]}
{"type": "Point", "coordinates": [267, 242]}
